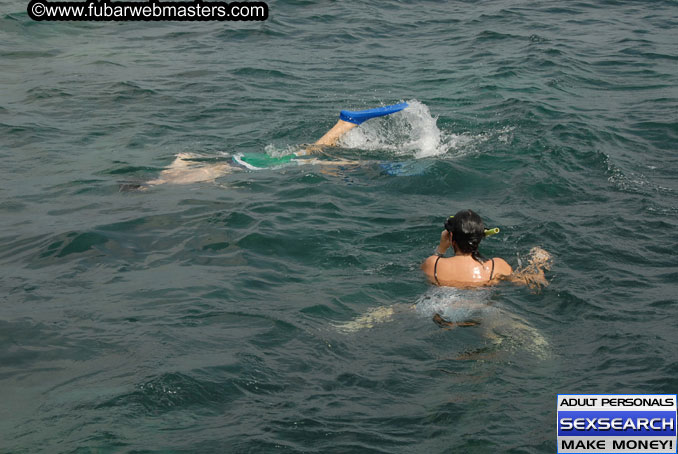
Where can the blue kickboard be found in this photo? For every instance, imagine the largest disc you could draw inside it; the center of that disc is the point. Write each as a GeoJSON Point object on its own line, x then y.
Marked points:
{"type": "Point", "coordinates": [359, 116]}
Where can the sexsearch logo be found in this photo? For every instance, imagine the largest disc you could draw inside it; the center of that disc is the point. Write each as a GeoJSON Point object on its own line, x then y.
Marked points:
{"type": "Point", "coordinates": [617, 423]}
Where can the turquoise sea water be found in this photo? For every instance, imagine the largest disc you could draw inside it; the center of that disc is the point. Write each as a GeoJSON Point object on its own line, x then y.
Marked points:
{"type": "Point", "coordinates": [213, 317]}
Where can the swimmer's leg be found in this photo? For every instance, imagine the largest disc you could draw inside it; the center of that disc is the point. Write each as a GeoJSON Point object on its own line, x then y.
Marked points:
{"type": "Point", "coordinates": [349, 120]}
{"type": "Point", "coordinates": [372, 317]}
{"type": "Point", "coordinates": [329, 139]}
{"type": "Point", "coordinates": [333, 135]}
{"type": "Point", "coordinates": [132, 186]}
{"type": "Point", "coordinates": [184, 171]}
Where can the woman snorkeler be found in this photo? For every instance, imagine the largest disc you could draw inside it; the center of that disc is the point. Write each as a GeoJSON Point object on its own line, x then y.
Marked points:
{"type": "Point", "coordinates": [467, 268]}
{"type": "Point", "coordinates": [457, 275]}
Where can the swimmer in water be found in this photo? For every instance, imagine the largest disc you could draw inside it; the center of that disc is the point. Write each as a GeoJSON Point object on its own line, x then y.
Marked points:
{"type": "Point", "coordinates": [467, 268]}
{"type": "Point", "coordinates": [186, 169]}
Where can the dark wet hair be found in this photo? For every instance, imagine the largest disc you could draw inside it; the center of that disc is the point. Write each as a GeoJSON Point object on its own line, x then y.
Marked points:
{"type": "Point", "coordinates": [467, 231]}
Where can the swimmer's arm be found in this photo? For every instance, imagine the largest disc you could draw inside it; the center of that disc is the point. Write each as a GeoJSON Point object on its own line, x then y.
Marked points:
{"type": "Point", "coordinates": [440, 250]}
{"type": "Point", "coordinates": [501, 268]}
{"type": "Point", "coordinates": [427, 268]}
{"type": "Point", "coordinates": [530, 276]}
{"type": "Point", "coordinates": [444, 244]}
{"type": "Point", "coordinates": [534, 279]}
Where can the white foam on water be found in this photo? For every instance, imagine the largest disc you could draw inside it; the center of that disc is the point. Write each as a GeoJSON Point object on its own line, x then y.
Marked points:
{"type": "Point", "coordinates": [453, 304]}
{"type": "Point", "coordinates": [279, 152]}
{"type": "Point", "coordinates": [505, 331]}
{"type": "Point", "coordinates": [412, 132]}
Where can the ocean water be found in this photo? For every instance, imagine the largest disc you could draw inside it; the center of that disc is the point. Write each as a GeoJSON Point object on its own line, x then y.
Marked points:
{"type": "Point", "coordinates": [212, 317]}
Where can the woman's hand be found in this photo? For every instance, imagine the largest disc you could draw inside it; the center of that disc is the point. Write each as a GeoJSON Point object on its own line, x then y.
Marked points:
{"type": "Point", "coordinates": [445, 242]}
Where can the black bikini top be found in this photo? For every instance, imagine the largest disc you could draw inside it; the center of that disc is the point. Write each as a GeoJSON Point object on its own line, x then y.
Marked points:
{"type": "Point", "coordinates": [435, 270]}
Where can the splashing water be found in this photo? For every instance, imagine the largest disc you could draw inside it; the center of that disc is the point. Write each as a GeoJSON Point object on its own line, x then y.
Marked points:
{"type": "Point", "coordinates": [279, 152]}
{"type": "Point", "coordinates": [505, 331]}
{"type": "Point", "coordinates": [412, 131]}
{"type": "Point", "coordinates": [453, 304]}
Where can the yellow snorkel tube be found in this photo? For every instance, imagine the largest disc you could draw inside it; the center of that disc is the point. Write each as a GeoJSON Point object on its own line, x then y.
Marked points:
{"type": "Point", "coordinates": [490, 232]}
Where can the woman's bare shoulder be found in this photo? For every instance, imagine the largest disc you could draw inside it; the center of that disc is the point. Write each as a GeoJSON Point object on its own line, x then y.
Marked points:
{"type": "Point", "coordinates": [429, 263]}
{"type": "Point", "coordinates": [501, 267]}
